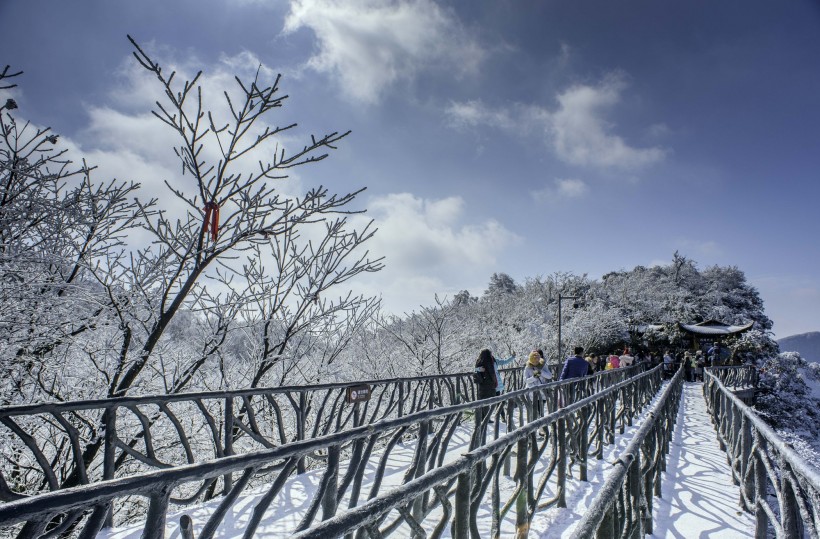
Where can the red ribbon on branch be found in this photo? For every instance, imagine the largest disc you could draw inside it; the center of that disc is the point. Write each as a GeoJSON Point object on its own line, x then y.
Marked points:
{"type": "Point", "coordinates": [212, 219]}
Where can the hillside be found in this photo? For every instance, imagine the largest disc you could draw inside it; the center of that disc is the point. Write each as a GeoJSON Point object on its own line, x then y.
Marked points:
{"type": "Point", "coordinates": [806, 344]}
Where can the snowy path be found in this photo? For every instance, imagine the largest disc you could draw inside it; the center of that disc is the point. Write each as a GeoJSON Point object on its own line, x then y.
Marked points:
{"type": "Point", "coordinates": [699, 498]}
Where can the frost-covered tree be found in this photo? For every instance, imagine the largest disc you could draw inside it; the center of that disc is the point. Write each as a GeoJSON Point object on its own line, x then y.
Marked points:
{"type": "Point", "coordinates": [235, 272]}
{"type": "Point", "coordinates": [56, 228]}
{"type": "Point", "coordinates": [501, 283]}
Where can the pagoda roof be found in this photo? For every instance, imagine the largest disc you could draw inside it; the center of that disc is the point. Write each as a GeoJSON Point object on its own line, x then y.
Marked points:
{"type": "Point", "coordinates": [715, 328]}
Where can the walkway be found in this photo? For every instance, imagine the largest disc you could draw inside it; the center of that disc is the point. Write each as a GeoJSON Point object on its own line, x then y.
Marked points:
{"type": "Point", "coordinates": [699, 498]}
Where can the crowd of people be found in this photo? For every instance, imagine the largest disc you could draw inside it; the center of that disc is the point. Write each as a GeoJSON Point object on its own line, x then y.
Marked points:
{"type": "Point", "coordinates": [536, 372]}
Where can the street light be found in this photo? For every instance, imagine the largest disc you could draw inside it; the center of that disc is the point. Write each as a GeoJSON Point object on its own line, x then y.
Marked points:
{"type": "Point", "coordinates": [575, 305]}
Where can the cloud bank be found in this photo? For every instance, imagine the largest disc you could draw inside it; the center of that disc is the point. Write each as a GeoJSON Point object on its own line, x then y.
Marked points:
{"type": "Point", "coordinates": [576, 130]}
{"type": "Point", "coordinates": [431, 247]}
{"type": "Point", "coordinates": [368, 46]}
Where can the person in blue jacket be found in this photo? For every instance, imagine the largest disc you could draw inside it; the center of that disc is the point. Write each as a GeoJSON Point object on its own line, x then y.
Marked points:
{"type": "Point", "coordinates": [575, 366]}
{"type": "Point", "coordinates": [499, 388]}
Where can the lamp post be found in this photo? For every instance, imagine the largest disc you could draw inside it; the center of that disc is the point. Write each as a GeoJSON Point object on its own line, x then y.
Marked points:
{"type": "Point", "coordinates": [560, 299]}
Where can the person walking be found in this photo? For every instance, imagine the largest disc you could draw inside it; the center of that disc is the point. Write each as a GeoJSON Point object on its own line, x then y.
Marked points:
{"type": "Point", "coordinates": [534, 377]}
{"type": "Point", "coordinates": [499, 388]}
{"type": "Point", "coordinates": [613, 360]}
{"type": "Point", "coordinates": [593, 363]}
{"type": "Point", "coordinates": [687, 366]}
{"type": "Point", "coordinates": [700, 362]}
{"type": "Point", "coordinates": [485, 376]}
{"type": "Point", "coordinates": [546, 371]}
{"type": "Point", "coordinates": [575, 366]}
{"type": "Point", "coordinates": [534, 371]}
{"type": "Point", "coordinates": [626, 359]}
{"type": "Point", "coordinates": [667, 365]}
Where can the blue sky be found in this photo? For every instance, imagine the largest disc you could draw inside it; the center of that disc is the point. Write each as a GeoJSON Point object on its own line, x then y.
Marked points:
{"type": "Point", "coordinates": [493, 136]}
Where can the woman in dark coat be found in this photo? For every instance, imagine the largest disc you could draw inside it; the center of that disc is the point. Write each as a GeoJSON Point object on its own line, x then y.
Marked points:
{"type": "Point", "coordinates": [485, 378]}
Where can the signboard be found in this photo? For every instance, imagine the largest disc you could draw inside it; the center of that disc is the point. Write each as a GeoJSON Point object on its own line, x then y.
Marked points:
{"type": "Point", "coordinates": [358, 393]}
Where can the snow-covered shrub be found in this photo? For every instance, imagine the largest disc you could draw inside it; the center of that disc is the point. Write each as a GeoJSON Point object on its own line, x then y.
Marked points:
{"type": "Point", "coordinates": [789, 395]}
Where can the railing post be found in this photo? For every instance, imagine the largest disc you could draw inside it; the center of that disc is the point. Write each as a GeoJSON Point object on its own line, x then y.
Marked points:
{"type": "Point", "coordinates": [635, 483]}
{"type": "Point", "coordinates": [761, 488]}
{"type": "Point", "coordinates": [607, 528]}
{"type": "Point", "coordinates": [583, 450]}
{"type": "Point", "coordinates": [156, 515]}
{"type": "Point", "coordinates": [648, 483]}
{"type": "Point", "coordinates": [301, 416]}
{"type": "Point", "coordinates": [599, 425]}
{"type": "Point", "coordinates": [789, 511]}
{"type": "Point", "coordinates": [109, 456]}
{"type": "Point", "coordinates": [401, 399]}
{"type": "Point", "coordinates": [228, 478]}
{"type": "Point", "coordinates": [510, 427]}
{"type": "Point", "coordinates": [522, 512]}
{"type": "Point", "coordinates": [612, 419]}
{"type": "Point", "coordinates": [562, 462]}
{"type": "Point", "coordinates": [461, 518]}
{"type": "Point", "coordinates": [329, 500]}
{"type": "Point", "coordinates": [720, 421]}
{"type": "Point", "coordinates": [747, 479]}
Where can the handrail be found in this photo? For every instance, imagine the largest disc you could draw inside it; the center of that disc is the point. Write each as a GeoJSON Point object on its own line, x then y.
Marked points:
{"type": "Point", "coordinates": [87, 508]}
{"type": "Point", "coordinates": [738, 376]}
{"type": "Point", "coordinates": [468, 478]}
{"type": "Point", "coordinates": [56, 445]}
{"type": "Point", "coordinates": [623, 507]}
{"type": "Point", "coordinates": [763, 464]}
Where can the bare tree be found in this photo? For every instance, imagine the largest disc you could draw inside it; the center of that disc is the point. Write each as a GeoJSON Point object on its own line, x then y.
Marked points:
{"type": "Point", "coordinates": [231, 210]}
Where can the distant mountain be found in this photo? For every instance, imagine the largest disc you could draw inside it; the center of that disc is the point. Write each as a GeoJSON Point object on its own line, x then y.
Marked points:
{"type": "Point", "coordinates": [806, 344]}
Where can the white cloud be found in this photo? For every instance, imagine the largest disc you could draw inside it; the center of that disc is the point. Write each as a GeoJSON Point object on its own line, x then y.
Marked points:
{"type": "Point", "coordinates": [370, 45]}
{"type": "Point", "coordinates": [431, 246]}
{"type": "Point", "coordinates": [581, 136]}
{"type": "Point", "coordinates": [576, 130]}
{"type": "Point", "coordinates": [561, 189]}
{"type": "Point", "coordinates": [470, 114]}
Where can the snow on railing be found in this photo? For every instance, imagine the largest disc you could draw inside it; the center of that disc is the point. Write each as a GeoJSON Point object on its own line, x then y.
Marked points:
{"type": "Point", "coordinates": [623, 507]}
{"type": "Point", "coordinates": [765, 468]}
{"type": "Point", "coordinates": [344, 456]}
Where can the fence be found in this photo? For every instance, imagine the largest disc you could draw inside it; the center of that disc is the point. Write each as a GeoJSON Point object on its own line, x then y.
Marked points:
{"type": "Point", "coordinates": [745, 376]}
{"type": "Point", "coordinates": [624, 506]}
{"type": "Point", "coordinates": [765, 468]}
{"type": "Point", "coordinates": [344, 456]}
{"type": "Point", "coordinates": [58, 445]}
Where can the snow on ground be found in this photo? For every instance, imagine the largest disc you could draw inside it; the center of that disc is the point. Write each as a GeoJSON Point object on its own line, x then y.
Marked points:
{"type": "Point", "coordinates": [699, 499]}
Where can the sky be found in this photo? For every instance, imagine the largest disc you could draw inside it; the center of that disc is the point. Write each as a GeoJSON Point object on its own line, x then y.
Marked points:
{"type": "Point", "coordinates": [524, 137]}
